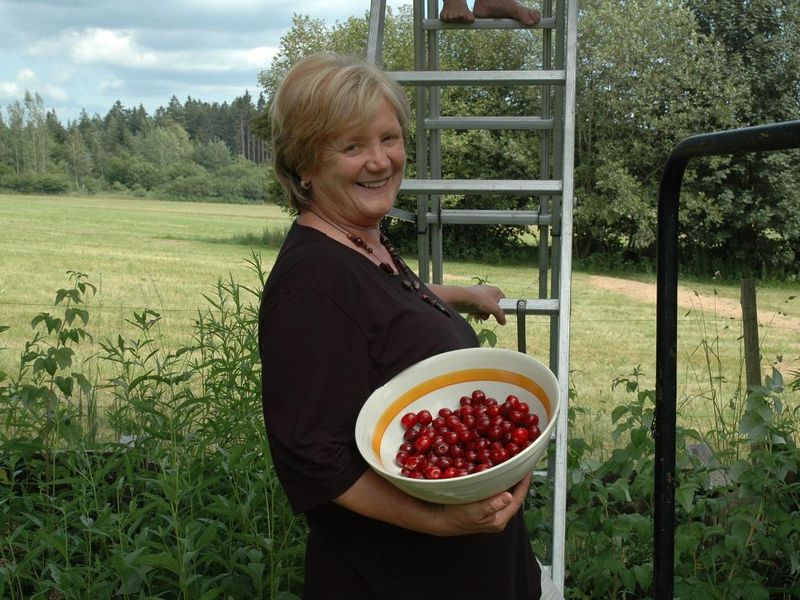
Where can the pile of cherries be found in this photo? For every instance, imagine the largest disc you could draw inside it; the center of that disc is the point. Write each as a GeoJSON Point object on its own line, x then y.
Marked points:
{"type": "Point", "coordinates": [478, 435]}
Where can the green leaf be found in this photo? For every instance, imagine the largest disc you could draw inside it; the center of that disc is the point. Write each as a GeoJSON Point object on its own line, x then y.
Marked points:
{"type": "Point", "coordinates": [83, 382]}
{"type": "Point", "coordinates": [63, 357]}
{"type": "Point", "coordinates": [617, 413]}
{"type": "Point", "coordinates": [65, 384]}
{"type": "Point", "coordinates": [644, 574]}
{"type": "Point", "coordinates": [162, 559]}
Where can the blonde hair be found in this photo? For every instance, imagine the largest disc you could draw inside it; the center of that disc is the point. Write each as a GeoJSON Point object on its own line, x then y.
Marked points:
{"type": "Point", "coordinates": [322, 96]}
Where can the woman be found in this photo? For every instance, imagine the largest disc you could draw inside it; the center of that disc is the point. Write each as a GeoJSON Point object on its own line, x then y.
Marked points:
{"type": "Point", "coordinates": [341, 314]}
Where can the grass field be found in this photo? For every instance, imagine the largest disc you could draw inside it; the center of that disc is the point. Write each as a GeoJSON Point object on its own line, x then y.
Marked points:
{"type": "Point", "coordinates": [166, 255]}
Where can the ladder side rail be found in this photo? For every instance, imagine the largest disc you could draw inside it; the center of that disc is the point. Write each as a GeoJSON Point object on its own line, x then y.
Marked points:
{"type": "Point", "coordinates": [435, 151]}
{"type": "Point", "coordinates": [558, 173]}
{"type": "Point", "coordinates": [548, 262]}
{"type": "Point", "coordinates": [565, 295]}
{"type": "Point", "coordinates": [421, 95]}
{"type": "Point", "coordinates": [377, 16]}
{"type": "Point", "coordinates": [544, 154]}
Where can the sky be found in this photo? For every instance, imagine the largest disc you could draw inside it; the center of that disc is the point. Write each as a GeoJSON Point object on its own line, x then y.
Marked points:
{"type": "Point", "coordinates": [87, 54]}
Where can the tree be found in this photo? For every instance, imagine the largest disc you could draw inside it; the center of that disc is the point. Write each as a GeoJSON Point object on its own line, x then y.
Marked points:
{"type": "Point", "coordinates": [758, 193]}
{"type": "Point", "coordinates": [77, 156]}
{"type": "Point", "coordinates": [163, 146]}
{"type": "Point", "coordinates": [646, 79]}
{"type": "Point", "coordinates": [16, 136]}
{"type": "Point", "coordinates": [37, 135]}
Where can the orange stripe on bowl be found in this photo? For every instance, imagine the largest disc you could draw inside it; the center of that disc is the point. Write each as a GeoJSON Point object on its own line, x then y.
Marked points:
{"type": "Point", "coordinates": [451, 379]}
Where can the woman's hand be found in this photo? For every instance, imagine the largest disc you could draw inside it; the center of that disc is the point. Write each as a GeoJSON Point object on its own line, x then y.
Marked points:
{"type": "Point", "coordinates": [486, 516]}
{"type": "Point", "coordinates": [480, 301]}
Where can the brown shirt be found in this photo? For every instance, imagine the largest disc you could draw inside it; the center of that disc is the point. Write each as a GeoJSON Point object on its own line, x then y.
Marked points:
{"type": "Point", "coordinates": [333, 327]}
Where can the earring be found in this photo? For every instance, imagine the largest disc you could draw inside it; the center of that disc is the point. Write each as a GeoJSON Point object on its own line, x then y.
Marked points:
{"type": "Point", "coordinates": [306, 185]}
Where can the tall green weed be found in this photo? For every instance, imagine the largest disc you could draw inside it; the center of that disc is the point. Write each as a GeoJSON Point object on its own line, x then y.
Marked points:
{"type": "Point", "coordinates": [170, 492]}
{"type": "Point", "coordinates": [156, 480]}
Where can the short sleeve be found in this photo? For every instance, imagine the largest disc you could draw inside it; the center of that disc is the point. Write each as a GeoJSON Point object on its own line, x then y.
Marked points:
{"type": "Point", "coordinates": [315, 377]}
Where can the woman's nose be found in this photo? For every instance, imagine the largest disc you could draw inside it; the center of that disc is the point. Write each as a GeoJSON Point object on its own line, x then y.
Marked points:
{"type": "Point", "coordinates": [378, 158]}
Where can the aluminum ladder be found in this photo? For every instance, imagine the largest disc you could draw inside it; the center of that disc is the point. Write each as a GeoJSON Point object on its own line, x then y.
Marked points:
{"type": "Point", "coordinates": [553, 218]}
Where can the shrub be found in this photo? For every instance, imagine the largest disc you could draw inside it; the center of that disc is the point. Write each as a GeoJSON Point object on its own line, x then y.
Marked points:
{"type": "Point", "coordinates": [172, 493]}
{"type": "Point", "coordinates": [738, 524]}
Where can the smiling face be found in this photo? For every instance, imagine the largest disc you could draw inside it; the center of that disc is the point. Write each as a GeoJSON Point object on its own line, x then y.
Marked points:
{"type": "Point", "coordinates": [360, 172]}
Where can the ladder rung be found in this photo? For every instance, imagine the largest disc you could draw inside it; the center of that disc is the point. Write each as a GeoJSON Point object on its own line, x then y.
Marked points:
{"type": "Point", "coordinates": [488, 123]}
{"type": "Point", "coordinates": [490, 217]}
{"type": "Point", "coordinates": [482, 187]}
{"type": "Point", "coordinates": [545, 23]}
{"type": "Point", "coordinates": [479, 77]}
{"type": "Point", "coordinates": [533, 306]}
{"type": "Point", "coordinates": [403, 215]}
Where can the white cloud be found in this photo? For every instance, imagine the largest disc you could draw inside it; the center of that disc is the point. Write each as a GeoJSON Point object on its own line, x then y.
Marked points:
{"type": "Point", "coordinates": [109, 46]}
{"type": "Point", "coordinates": [24, 79]}
{"type": "Point", "coordinates": [110, 84]}
{"type": "Point", "coordinates": [9, 89]}
{"type": "Point", "coordinates": [55, 92]}
{"type": "Point", "coordinates": [119, 47]}
{"type": "Point", "coordinates": [24, 75]}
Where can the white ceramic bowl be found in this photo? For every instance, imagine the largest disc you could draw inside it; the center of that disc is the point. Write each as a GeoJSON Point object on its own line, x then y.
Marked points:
{"type": "Point", "coordinates": [440, 381]}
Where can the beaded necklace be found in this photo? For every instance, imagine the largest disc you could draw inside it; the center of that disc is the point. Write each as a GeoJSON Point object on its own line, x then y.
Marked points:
{"type": "Point", "coordinates": [409, 282]}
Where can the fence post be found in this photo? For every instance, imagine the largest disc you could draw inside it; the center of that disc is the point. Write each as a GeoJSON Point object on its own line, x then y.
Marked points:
{"type": "Point", "coordinates": [752, 352]}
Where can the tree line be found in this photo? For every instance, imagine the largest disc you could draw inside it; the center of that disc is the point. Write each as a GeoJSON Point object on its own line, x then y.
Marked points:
{"type": "Point", "coordinates": [185, 150]}
{"type": "Point", "coordinates": [650, 73]}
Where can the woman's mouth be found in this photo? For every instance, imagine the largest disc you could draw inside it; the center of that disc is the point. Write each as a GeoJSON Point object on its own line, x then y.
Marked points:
{"type": "Point", "coordinates": [373, 184]}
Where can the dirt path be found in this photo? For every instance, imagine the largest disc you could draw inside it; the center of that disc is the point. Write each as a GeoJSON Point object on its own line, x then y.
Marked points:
{"type": "Point", "coordinates": [688, 299]}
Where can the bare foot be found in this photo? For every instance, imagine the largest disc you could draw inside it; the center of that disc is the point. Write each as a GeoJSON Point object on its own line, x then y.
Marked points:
{"type": "Point", "coordinates": [506, 9]}
{"type": "Point", "coordinates": [456, 11]}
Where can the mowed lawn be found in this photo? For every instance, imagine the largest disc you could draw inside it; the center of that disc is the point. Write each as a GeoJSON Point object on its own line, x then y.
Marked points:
{"type": "Point", "coordinates": [166, 255]}
{"type": "Point", "coordinates": [139, 253]}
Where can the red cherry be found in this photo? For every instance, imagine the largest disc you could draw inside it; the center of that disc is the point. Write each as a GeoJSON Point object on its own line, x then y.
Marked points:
{"type": "Point", "coordinates": [495, 432]}
{"type": "Point", "coordinates": [401, 458]}
{"type": "Point", "coordinates": [408, 420]}
{"type": "Point", "coordinates": [520, 435]}
{"type": "Point", "coordinates": [465, 435]}
{"type": "Point", "coordinates": [414, 463]}
{"type": "Point", "coordinates": [499, 455]}
{"type": "Point", "coordinates": [473, 437]}
{"type": "Point", "coordinates": [422, 443]}
{"type": "Point", "coordinates": [432, 472]}
{"type": "Point", "coordinates": [424, 417]}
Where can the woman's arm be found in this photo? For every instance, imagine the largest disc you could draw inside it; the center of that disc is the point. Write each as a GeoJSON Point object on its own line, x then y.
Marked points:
{"type": "Point", "coordinates": [372, 496]}
{"type": "Point", "coordinates": [478, 300]}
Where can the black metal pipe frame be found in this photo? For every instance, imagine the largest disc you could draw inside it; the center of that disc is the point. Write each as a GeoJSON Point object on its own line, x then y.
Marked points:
{"type": "Point", "coordinates": [778, 136]}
